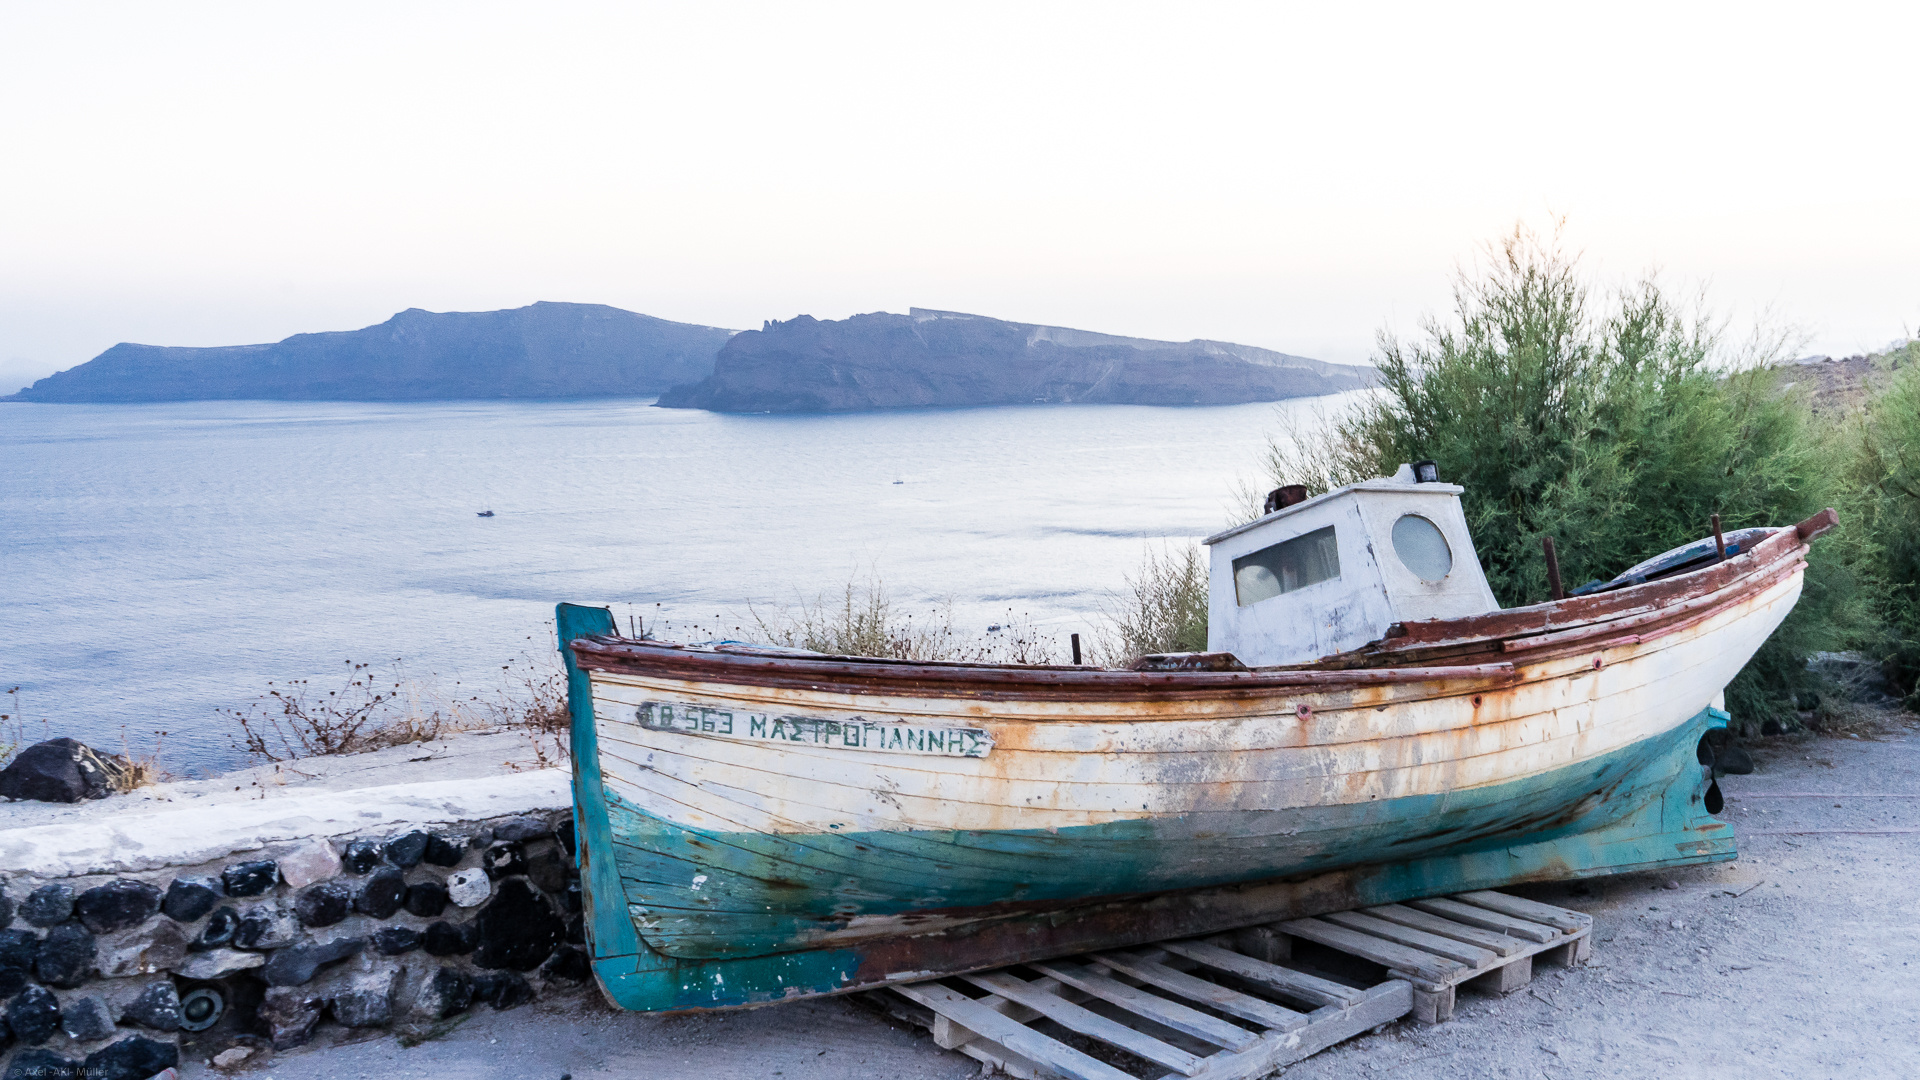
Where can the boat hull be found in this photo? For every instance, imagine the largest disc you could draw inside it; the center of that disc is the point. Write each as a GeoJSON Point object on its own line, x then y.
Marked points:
{"type": "Point", "coordinates": [756, 826]}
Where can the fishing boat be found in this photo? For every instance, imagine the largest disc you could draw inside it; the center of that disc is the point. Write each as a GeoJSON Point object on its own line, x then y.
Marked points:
{"type": "Point", "coordinates": [759, 824]}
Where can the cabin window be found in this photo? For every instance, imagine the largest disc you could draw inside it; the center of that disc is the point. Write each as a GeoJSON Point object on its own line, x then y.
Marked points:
{"type": "Point", "coordinates": [1286, 566]}
{"type": "Point", "coordinates": [1421, 547]}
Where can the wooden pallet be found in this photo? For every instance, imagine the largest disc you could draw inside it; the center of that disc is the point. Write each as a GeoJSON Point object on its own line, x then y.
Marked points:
{"type": "Point", "coordinates": [1239, 1004]}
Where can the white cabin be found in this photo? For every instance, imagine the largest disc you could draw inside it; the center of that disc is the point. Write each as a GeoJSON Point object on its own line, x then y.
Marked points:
{"type": "Point", "coordinates": [1332, 573]}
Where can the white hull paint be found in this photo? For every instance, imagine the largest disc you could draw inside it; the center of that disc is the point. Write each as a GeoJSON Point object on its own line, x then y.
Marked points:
{"type": "Point", "coordinates": [1058, 764]}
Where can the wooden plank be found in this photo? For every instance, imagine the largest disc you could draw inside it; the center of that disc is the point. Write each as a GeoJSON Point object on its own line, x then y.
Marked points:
{"type": "Point", "coordinates": [1015, 1036]}
{"type": "Point", "coordinates": [1326, 1026]}
{"type": "Point", "coordinates": [1074, 1018]}
{"type": "Point", "coordinates": [1434, 924]}
{"type": "Point", "coordinates": [1486, 919]}
{"type": "Point", "coordinates": [1286, 980]}
{"type": "Point", "coordinates": [1422, 965]}
{"type": "Point", "coordinates": [1471, 955]}
{"type": "Point", "coordinates": [1229, 1001]}
{"type": "Point", "coordinates": [1531, 910]}
{"type": "Point", "coordinates": [1158, 1009]}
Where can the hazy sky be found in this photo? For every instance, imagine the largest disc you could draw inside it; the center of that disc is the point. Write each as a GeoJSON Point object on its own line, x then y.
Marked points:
{"type": "Point", "coordinates": [1293, 176]}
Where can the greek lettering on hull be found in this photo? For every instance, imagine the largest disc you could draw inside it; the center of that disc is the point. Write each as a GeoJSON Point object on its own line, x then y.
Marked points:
{"type": "Point", "coordinates": [852, 733]}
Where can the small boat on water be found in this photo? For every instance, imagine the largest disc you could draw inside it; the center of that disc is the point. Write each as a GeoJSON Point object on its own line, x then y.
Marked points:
{"type": "Point", "coordinates": [758, 824]}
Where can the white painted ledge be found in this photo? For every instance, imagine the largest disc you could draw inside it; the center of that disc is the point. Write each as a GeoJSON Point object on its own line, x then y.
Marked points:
{"type": "Point", "coordinates": [126, 843]}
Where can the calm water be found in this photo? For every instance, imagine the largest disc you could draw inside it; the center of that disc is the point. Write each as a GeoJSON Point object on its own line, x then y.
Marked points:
{"type": "Point", "coordinates": [158, 562]}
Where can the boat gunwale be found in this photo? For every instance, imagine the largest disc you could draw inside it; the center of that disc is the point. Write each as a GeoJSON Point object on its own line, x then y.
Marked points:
{"type": "Point", "coordinates": [1626, 616]}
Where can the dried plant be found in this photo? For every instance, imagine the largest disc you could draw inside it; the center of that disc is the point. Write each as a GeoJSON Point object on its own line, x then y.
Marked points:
{"type": "Point", "coordinates": [1163, 608]}
{"type": "Point", "coordinates": [864, 620]}
{"type": "Point", "coordinates": [297, 721]}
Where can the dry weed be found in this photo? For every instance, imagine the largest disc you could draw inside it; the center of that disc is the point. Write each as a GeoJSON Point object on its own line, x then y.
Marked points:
{"type": "Point", "coordinates": [864, 620]}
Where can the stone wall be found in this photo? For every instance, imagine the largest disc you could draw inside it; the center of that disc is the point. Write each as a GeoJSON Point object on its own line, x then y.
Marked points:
{"type": "Point", "coordinates": [126, 969]}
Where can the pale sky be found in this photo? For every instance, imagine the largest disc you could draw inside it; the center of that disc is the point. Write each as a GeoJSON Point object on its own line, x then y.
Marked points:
{"type": "Point", "coordinates": [1291, 176]}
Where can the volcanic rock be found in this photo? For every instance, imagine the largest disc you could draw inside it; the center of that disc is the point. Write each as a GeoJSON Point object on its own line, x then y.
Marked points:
{"type": "Point", "coordinates": [360, 856]}
{"type": "Point", "coordinates": [117, 905]}
{"type": "Point", "coordinates": [65, 956]}
{"type": "Point", "coordinates": [395, 940]}
{"type": "Point", "coordinates": [518, 928]}
{"type": "Point", "coordinates": [502, 989]}
{"type": "Point", "coordinates": [48, 905]}
{"type": "Point", "coordinates": [426, 899]}
{"type": "Point", "coordinates": [42, 1065]}
{"type": "Point", "coordinates": [296, 965]}
{"type": "Point", "coordinates": [189, 899]}
{"type": "Point", "coordinates": [383, 893]}
{"type": "Point", "coordinates": [61, 770]}
{"type": "Point", "coordinates": [157, 1007]}
{"type": "Point", "coordinates": [250, 878]}
{"type": "Point", "coordinates": [323, 904]}
{"type": "Point", "coordinates": [406, 851]}
{"type": "Point", "coordinates": [290, 1014]}
{"type": "Point", "coordinates": [449, 939]}
{"type": "Point", "coordinates": [133, 1058]}
{"type": "Point", "coordinates": [33, 1014]}
{"type": "Point", "coordinates": [85, 1019]}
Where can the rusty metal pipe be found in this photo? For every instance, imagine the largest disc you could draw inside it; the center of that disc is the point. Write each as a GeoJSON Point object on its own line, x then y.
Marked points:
{"type": "Point", "coordinates": [1719, 541]}
{"type": "Point", "coordinates": [1075, 638]}
{"type": "Point", "coordinates": [1553, 568]}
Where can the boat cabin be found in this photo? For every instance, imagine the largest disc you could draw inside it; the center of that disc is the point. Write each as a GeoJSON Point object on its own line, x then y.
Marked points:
{"type": "Point", "coordinates": [1319, 576]}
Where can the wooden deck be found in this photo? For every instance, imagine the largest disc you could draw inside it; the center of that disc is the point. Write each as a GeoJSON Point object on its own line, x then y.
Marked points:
{"type": "Point", "coordinates": [1242, 1004]}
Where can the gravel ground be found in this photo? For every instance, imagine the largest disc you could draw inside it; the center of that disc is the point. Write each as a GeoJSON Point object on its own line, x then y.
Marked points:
{"type": "Point", "coordinates": [1798, 960]}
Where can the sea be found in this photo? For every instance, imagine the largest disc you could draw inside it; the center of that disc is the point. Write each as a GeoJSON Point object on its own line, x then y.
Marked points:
{"type": "Point", "coordinates": [163, 563]}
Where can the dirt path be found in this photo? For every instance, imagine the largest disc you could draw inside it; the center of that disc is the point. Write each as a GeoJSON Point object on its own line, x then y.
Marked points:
{"type": "Point", "coordinates": [1800, 960]}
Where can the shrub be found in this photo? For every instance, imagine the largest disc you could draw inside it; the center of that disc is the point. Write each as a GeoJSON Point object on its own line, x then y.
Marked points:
{"type": "Point", "coordinates": [1162, 609]}
{"type": "Point", "coordinates": [1616, 423]}
{"type": "Point", "coordinates": [1883, 497]}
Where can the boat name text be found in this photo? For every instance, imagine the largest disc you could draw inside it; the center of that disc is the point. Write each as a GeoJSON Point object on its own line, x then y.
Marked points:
{"type": "Point", "coordinates": [851, 734]}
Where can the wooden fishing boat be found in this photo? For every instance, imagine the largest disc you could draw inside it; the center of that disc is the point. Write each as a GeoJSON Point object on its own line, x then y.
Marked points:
{"type": "Point", "coordinates": [760, 824]}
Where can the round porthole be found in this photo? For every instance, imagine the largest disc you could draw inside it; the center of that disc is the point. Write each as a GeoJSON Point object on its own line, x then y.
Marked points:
{"type": "Point", "coordinates": [201, 1009]}
{"type": "Point", "coordinates": [1421, 547]}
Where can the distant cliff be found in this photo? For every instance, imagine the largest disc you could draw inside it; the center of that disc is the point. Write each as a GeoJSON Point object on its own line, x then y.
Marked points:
{"type": "Point", "coordinates": [541, 351]}
{"type": "Point", "coordinates": [944, 358]}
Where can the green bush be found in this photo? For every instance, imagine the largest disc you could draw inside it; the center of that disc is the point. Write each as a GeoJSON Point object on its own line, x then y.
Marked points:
{"type": "Point", "coordinates": [1163, 608]}
{"type": "Point", "coordinates": [1882, 481]}
{"type": "Point", "coordinates": [1615, 422]}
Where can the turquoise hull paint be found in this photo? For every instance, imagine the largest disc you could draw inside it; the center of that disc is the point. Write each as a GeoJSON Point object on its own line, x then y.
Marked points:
{"type": "Point", "coordinates": [770, 895]}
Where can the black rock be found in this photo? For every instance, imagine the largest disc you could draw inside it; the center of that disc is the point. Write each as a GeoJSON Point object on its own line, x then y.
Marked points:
{"type": "Point", "coordinates": [564, 831]}
{"type": "Point", "coordinates": [250, 878]}
{"type": "Point", "coordinates": [323, 904]}
{"type": "Point", "coordinates": [85, 1019]}
{"type": "Point", "coordinates": [117, 905]}
{"type": "Point", "coordinates": [406, 851]}
{"type": "Point", "coordinates": [449, 994]}
{"type": "Point", "coordinates": [502, 989]}
{"type": "Point", "coordinates": [522, 828]}
{"type": "Point", "coordinates": [218, 931]}
{"type": "Point", "coordinates": [449, 939]}
{"type": "Point", "coordinates": [576, 930]}
{"type": "Point", "coordinates": [48, 905]}
{"type": "Point", "coordinates": [6, 909]}
{"type": "Point", "coordinates": [572, 898]}
{"type": "Point", "coordinates": [6, 1034]}
{"type": "Point", "coordinates": [134, 1058]}
{"type": "Point", "coordinates": [42, 1065]}
{"type": "Point", "coordinates": [189, 899]}
{"type": "Point", "coordinates": [265, 928]}
{"type": "Point", "coordinates": [13, 980]}
{"type": "Point", "coordinates": [34, 1015]}
{"type": "Point", "coordinates": [518, 928]}
{"type": "Point", "coordinates": [395, 940]}
{"type": "Point", "coordinates": [59, 770]}
{"type": "Point", "coordinates": [296, 965]}
{"type": "Point", "coordinates": [504, 860]}
{"type": "Point", "coordinates": [547, 867]}
{"type": "Point", "coordinates": [16, 952]}
{"type": "Point", "coordinates": [426, 899]}
{"type": "Point", "coordinates": [65, 956]}
{"type": "Point", "coordinates": [360, 856]}
{"type": "Point", "coordinates": [567, 962]}
{"type": "Point", "coordinates": [157, 1007]}
{"type": "Point", "coordinates": [383, 893]}
{"type": "Point", "coordinates": [1733, 760]}
{"type": "Point", "coordinates": [444, 850]}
